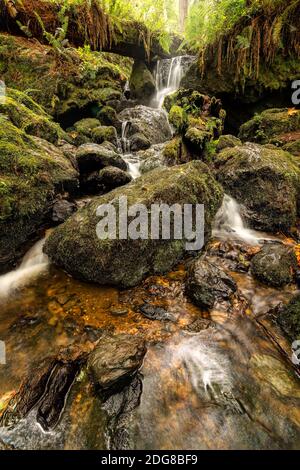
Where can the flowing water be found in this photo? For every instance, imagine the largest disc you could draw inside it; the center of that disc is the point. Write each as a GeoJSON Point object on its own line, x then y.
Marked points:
{"type": "Point", "coordinates": [218, 380]}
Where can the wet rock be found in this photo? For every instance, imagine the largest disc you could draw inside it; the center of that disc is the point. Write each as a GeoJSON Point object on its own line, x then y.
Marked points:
{"type": "Point", "coordinates": [270, 125]}
{"type": "Point", "coordinates": [108, 117]}
{"type": "Point", "coordinates": [113, 177]}
{"type": "Point", "coordinates": [226, 141]}
{"type": "Point", "coordinates": [142, 83]}
{"type": "Point", "coordinates": [274, 265]}
{"type": "Point", "coordinates": [152, 158]}
{"type": "Point", "coordinates": [118, 311]}
{"type": "Point", "coordinates": [288, 317]}
{"type": "Point", "coordinates": [154, 312]}
{"type": "Point", "coordinates": [151, 123]}
{"type": "Point", "coordinates": [139, 142]}
{"type": "Point", "coordinates": [265, 180]}
{"type": "Point", "coordinates": [93, 157]}
{"type": "Point", "coordinates": [115, 361]}
{"type": "Point", "coordinates": [207, 283]}
{"type": "Point", "coordinates": [62, 209]}
{"type": "Point", "coordinates": [53, 400]}
{"type": "Point", "coordinates": [199, 325]}
{"type": "Point", "coordinates": [126, 262]}
{"type": "Point", "coordinates": [119, 408]}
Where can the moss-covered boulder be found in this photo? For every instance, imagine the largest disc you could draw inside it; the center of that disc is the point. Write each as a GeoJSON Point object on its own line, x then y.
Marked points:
{"type": "Point", "coordinates": [293, 147]}
{"type": "Point", "coordinates": [66, 85]}
{"type": "Point", "coordinates": [271, 126]}
{"type": "Point", "coordinates": [32, 173]}
{"type": "Point", "coordinates": [199, 118]}
{"type": "Point", "coordinates": [108, 117]}
{"type": "Point", "coordinates": [27, 115]}
{"type": "Point", "coordinates": [126, 262]}
{"type": "Point", "coordinates": [274, 265]}
{"type": "Point", "coordinates": [85, 126]}
{"type": "Point", "coordinates": [112, 177]}
{"type": "Point", "coordinates": [266, 180]}
{"type": "Point", "coordinates": [142, 83]}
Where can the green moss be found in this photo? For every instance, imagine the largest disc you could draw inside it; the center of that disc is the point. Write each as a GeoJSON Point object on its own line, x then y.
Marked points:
{"type": "Point", "coordinates": [101, 134]}
{"type": "Point", "coordinates": [177, 117]}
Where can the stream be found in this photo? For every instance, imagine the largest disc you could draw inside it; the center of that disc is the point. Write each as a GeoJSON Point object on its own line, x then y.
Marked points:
{"type": "Point", "coordinates": [218, 380]}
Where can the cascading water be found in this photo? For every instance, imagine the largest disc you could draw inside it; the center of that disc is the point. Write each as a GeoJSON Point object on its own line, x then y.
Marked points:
{"type": "Point", "coordinates": [166, 87]}
{"type": "Point", "coordinates": [132, 160]}
{"type": "Point", "coordinates": [33, 264]}
{"type": "Point", "coordinates": [230, 225]}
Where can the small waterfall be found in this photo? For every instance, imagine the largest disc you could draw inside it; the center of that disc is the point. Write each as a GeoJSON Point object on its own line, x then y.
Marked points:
{"type": "Point", "coordinates": [125, 143]}
{"type": "Point", "coordinates": [33, 264]}
{"type": "Point", "coordinates": [166, 87]}
{"type": "Point", "coordinates": [229, 224]}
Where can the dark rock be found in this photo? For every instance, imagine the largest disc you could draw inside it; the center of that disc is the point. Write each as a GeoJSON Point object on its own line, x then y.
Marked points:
{"type": "Point", "coordinates": [93, 157]}
{"type": "Point", "coordinates": [126, 262]}
{"type": "Point", "coordinates": [199, 325]}
{"type": "Point", "coordinates": [108, 117]}
{"type": "Point", "coordinates": [91, 184]}
{"type": "Point", "coordinates": [154, 312]}
{"type": "Point", "coordinates": [274, 265]}
{"type": "Point", "coordinates": [118, 311]}
{"type": "Point", "coordinates": [288, 317]}
{"type": "Point", "coordinates": [142, 83]}
{"type": "Point", "coordinates": [112, 177]}
{"type": "Point", "coordinates": [265, 180]}
{"type": "Point", "coordinates": [207, 283]}
{"type": "Point", "coordinates": [62, 209]}
{"type": "Point", "coordinates": [115, 361]}
{"type": "Point", "coordinates": [53, 400]}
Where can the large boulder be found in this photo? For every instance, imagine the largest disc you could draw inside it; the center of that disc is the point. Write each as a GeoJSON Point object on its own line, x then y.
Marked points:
{"type": "Point", "coordinates": [126, 262]}
{"type": "Point", "coordinates": [115, 361]}
{"type": "Point", "coordinates": [266, 180]}
{"type": "Point", "coordinates": [33, 171]}
{"type": "Point", "coordinates": [142, 83]}
{"type": "Point", "coordinates": [274, 265]}
{"type": "Point", "coordinates": [112, 177]}
{"type": "Point", "coordinates": [271, 126]}
{"type": "Point", "coordinates": [150, 123]}
{"type": "Point", "coordinates": [207, 283]}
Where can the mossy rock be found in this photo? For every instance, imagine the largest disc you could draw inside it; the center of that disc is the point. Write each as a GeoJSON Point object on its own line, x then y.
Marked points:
{"type": "Point", "coordinates": [33, 172]}
{"type": "Point", "coordinates": [94, 157]}
{"type": "Point", "coordinates": [27, 115]}
{"type": "Point", "coordinates": [142, 83]}
{"type": "Point", "coordinates": [265, 180]}
{"type": "Point", "coordinates": [226, 141]}
{"type": "Point", "coordinates": [274, 265]}
{"type": "Point", "coordinates": [177, 117]}
{"type": "Point", "coordinates": [271, 126]}
{"type": "Point", "coordinates": [175, 152]}
{"type": "Point", "coordinates": [101, 134]}
{"type": "Point", "coordinates": [108, 117]}
{"type": "Point", "coordinates": [126, 262]}
{"type": "Point", "coordinates": [63, 84]}
{"type": "Point", "coordinates": [85, 126]}
{"type": "Point", "coordinates": [293, 148]}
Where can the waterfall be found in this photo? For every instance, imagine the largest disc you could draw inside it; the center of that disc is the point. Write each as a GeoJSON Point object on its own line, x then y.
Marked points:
{"type": "Point", "coordinates": [167, 84]}
{"type": "Point", "coordinates": [125, 143]}
{"type": "Point", "coordinates": [33, 264]}
{"type": "Point", "coordinates": [230, 225]}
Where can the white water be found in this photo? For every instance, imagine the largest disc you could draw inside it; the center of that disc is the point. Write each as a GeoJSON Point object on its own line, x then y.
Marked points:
{"type": "Point", "coordinates": [133, 163]}
{"type": "Point", "coordinates": [230, 225]}
{"type": "Point", "coordinates": [174, 77]}
{"type": "Point", "coordinates": [34, 263]}
{"type": "Point", "coordinates": [125, 143]}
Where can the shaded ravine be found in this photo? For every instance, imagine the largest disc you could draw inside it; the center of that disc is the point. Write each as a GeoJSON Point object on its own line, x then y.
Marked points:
{"type": "Point", "coordinates": [218, 380]}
